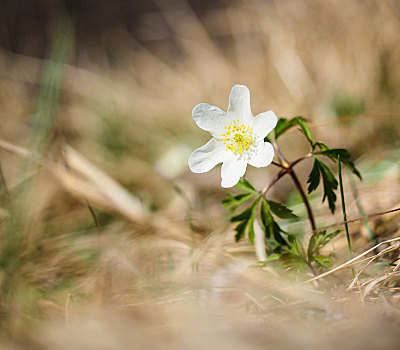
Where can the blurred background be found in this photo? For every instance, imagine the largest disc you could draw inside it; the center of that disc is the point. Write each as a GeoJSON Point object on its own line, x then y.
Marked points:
{"type": "Point", "coordinates": [99, 210]}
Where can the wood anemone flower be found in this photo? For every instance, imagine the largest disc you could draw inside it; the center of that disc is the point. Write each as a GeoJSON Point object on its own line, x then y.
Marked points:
{"type": "Point", "coordinates": [237, 137]}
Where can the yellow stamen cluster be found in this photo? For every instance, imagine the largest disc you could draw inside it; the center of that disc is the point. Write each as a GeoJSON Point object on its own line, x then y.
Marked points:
{"type": "Point", "coordinates": [237, 137]}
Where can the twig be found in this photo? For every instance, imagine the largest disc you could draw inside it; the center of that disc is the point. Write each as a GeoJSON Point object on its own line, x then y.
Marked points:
{"type": "Point", "coordinates": [361, 218]}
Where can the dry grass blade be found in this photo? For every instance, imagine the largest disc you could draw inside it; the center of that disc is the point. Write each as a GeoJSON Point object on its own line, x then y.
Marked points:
{"type": "Point", "coordinates": [111, 193]}
{"type": "Point", "coordinates": [86, 181]}
{"type": "Point", "coordinates": [355, 261]}
{"type": "Point", "coordinates": [357, 276]}
{"type": "Point", "coordinates": [23, 152]}
{"type": "Point", "coordinates": [371, 284]}
{"type": "Point", "coordinates": [69, 298]}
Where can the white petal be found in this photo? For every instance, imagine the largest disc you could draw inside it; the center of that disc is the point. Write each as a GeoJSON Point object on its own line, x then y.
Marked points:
{"type": "Point", "coordinates": [239, 104]}
{"type": "Point", "coordinates": [264, 124]}
{"type": "Point", "coordinates": [231, 172]}
{"type": "Point", "coordinates": [263, 155]}
{"type": "Point", "coordinates": [207, 157]}
{"type": "Point", "coordinates": [210, 118]}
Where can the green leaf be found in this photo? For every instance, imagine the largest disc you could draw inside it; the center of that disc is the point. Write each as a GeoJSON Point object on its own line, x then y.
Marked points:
{"type": "Point", "coordinates": [293, 261]}
{"type": "Point", "coordinates": [330, 184]}
{"type": "Point", "coordinates": [281, 211]}
{"type": "Point", "coordinates": [266, 216]}
{"type": "Point", "coordinates": [244, 215]}
{"type": "Point", "coordinates": [323, 260]}
{"type": "Point", "coordinates": [272, 244]}
{"type": "Point", "coordinates": [246, 219]}
{"type": "Point", "coordinates": [331, 235]}
{"type": "Point", "coordinates": [270, 258]}
{"type": "Point", "coordinates": [321, 146]}
{"type": "Point", "coordinates": [251, 220]}
{"type": "Point", "coordinates": [234, 201]}
{"type": "Point", "coordinates": [319, 240]}
{"type": "Point", "coordinates": [272, 229]}
{"type": "Point", "coordinates": [281, 127]}
{"type": "Point", "coordinates": [351, 166]}
{"type": "Point", "coordinates": [245, 186]}
{"type": "Point", "coordinates": [344, 157]}
{"type": "Point", "coordinates": [276, 230]}
{"type": "Point", "coordinates": [294, 249]}
{"type": "Point", "coordinates": [305, 129]}
{"type": "Point", "coordinates": [240, 230]}
{"type": "Point", "coordinates": [251, 230]}
{"type": "Point", "coordinates": [229, 199]}
{"type": "Point", "coordinates": [314, 242]}
{"type": "Point", "coordinates": [334, 152]}
{"type": "Point", "coordinates": [268, 138]}
{"type": "Point", "coordinates": [285, 124]}
{"type": "Point", "coordinates": [314, 178]}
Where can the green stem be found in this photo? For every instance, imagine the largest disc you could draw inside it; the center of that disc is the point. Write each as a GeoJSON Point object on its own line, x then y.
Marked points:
{"type": "Point", "coordinates": [282, 160]}
{"type": "Point", "coordinates": [284, 170]}
{"type": "Point", "coordinates": [304, 198]}
{"type": "Point", "coordinates": [278, 165]}
{"type": "Point", "coordinates": [288, 169]}
{"type": "Point", "coordinates": [346, 226]}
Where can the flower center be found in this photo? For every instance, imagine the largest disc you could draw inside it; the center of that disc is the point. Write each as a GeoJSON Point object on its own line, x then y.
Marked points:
{"type": "Point", "coordinates": [237, 137]}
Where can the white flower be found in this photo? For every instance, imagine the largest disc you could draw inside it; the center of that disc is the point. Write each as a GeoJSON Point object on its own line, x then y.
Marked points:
{"type": "Point", "coordinates": [237, 137]}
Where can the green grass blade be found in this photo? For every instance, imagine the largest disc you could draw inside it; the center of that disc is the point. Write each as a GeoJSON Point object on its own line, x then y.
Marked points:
{"type": "Point", "coordinates": [50, 85]}
{"type": "Point", "coordinates": [361, 210]}
{"type": "Point", "coordinates": [41, 123]}
{"type": "Point", "coordinates": [344, 207]}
